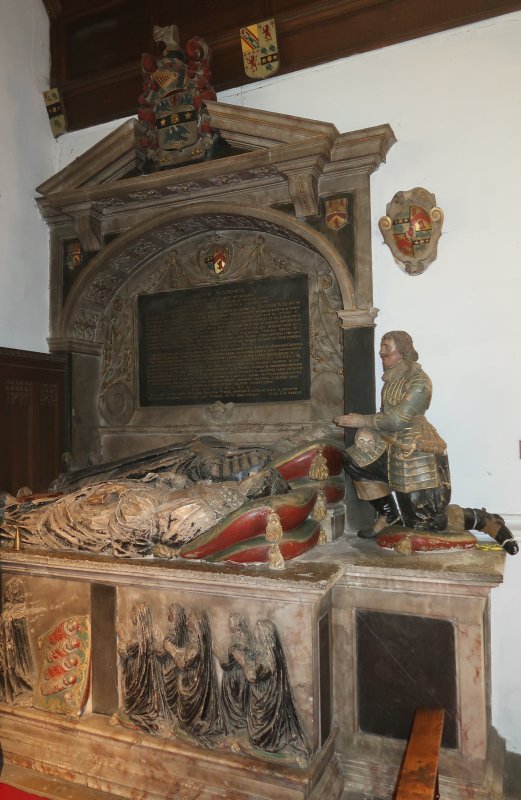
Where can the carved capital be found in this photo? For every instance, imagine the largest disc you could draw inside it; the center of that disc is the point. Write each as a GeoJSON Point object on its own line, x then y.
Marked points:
{"type": "Point", "coordinates": [358, 318]}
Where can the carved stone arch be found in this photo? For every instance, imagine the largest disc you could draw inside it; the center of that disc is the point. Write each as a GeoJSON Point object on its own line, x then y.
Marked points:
{"type": "Point", "coordinates": [123, 258]}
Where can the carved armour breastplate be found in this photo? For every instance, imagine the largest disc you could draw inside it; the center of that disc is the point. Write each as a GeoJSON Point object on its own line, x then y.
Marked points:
{"type": "Point", "coordinates": [412, 462]}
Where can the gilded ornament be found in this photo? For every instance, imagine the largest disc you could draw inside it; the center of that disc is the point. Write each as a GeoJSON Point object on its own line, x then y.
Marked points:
{"type": "Point", "coordinates": [319, 510]}
{"type": "Point", "coordinates": [17, 543]}
{"type": "Point", "coordinates": [318, 470]}
{"type": "Point", "coordinates": [322, 537]}
{"type": "Point", "coordinates": [276, 559]}
{"type": "Point", "coordinates": [274, 529]}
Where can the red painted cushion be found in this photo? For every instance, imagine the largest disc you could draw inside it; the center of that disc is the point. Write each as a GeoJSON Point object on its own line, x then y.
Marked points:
{"type": "Point", "coordinates": [250, 520]}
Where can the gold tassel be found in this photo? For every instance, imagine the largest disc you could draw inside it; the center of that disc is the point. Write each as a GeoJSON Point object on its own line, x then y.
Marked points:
{"type": "Point", "coordinates": [17, 543]}
{"type": "Point", "coordinates": [318, 470]}
{"type": "Point", "coordinates": [322, 537]}
{"type": "Point", "coordinates": [404, 546]}
{"type": "Point", "coordinates": [276, 558]}
{"type": "Point", "coordinates": [274, 527]}
{"type": "Point", "coordinates": [319, 509]}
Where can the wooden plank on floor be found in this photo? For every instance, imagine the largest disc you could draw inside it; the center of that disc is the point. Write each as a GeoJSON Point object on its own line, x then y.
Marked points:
{"type": "Point", "coordinates": [418, 777]}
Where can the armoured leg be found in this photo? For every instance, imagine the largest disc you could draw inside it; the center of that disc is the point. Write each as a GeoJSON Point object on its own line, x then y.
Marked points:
{"type": "Point", "coordinates": [479, 519]}
{"type": "Point", "coordinates": [387, 514]}
{"type": "Point", "coordinates": [424, 509]}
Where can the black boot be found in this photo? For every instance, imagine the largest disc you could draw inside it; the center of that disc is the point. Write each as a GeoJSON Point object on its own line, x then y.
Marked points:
{"type": "Point", "coordinates": [478, 519]}
{"type": "Point", "coordinates": [387, 514]}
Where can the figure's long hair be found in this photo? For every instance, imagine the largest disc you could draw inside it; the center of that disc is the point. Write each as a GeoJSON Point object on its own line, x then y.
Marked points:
{"type": "Point", "coordinates": [177, 624]}
{"type": "Point", "coordinates": [404, 344]}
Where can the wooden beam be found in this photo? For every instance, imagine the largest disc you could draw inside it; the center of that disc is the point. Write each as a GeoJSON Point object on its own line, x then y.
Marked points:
{"type": "Point", "coordinates": [418, 778]}
{"type": "Point", "coordinates": [96, 45]}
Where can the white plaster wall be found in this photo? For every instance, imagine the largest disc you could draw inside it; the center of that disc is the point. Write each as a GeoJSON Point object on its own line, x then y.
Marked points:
{"type": "Point", "coordinates": [453, 101]}
{"type": "Point", "coordinates": [26, 159]}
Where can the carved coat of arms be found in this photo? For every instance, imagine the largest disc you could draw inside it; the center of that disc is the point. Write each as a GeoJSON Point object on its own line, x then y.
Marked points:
{"type": "Point", "coordinates": [172, 105]}
{"type": "Point", "coordinates": [63, 683]}
{"type": "Point", "coordinates": [260, 50]}
{"type": "Point", "coordinates": [411, 228]}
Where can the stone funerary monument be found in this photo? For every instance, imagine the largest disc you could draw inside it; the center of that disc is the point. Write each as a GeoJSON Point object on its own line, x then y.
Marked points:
{"type": "Point", "coordinates": [230, 298]}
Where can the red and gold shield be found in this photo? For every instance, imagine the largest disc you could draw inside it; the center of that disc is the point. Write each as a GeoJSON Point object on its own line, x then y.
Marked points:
{"type": "Point", "coordinates": [63, 681]}
{"type": "Point", "coordinates": [411, 229]}
{"type": "Point", "coordinates": [260, 51]}
{"type": "Point", "coordinates": [217, 258]}
{"type": "Point", "coordinates": [336, 213]}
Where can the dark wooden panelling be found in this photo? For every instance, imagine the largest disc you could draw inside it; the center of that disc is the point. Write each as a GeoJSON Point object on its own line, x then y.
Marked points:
{"type": "Point", "coordinates": [33, 430]}
{"type": "Point", "coordinates": [96, 45]}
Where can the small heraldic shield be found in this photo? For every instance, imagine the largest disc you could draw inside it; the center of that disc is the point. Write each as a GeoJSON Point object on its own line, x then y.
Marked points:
{"type": "Point", "coordinates": [56, 111]}
{"type": "Point", "coordinates": [259, 49]}
{"type": "Point", "coordinates": [412, 228]}
{"type": "Point", "coordinates": [336, 212]}
{"type": "Point", "coordinates": [217, 258]}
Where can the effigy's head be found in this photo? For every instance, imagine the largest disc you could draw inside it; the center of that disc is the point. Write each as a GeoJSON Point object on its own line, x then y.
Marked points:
{"type": "Point", "coordinates": [395, 346]}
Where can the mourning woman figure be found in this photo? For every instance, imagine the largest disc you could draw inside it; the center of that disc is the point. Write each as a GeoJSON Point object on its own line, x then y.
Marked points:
{"type": "Point", "coordinates": [273, 721]}
{"type": "Point", "coordinates": [143, 698]}
{"type": "Point", "coordinates": [175, 641]}
{"type": "Point", "coordinates": [198, 706]}
{"type": "Point", "coordinates": [235, 689]}
{"type": "Point", "coordinates": [15, 650]}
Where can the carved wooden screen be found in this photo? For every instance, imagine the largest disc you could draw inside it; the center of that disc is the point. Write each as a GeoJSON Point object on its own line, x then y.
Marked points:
{"type": "Point", "coordinates": [33, 429]}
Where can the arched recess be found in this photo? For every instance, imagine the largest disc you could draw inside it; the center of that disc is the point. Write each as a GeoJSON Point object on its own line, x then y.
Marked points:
{"type": "Point", "coordinates": [99, 323]}
{"type": "Point", "coordinates": [79, 325]}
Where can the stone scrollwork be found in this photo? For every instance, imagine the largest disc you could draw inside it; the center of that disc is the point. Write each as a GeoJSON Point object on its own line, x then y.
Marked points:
{"type": "Point", "coordinates": [132, 256]}
{"type": "Point", "coordinates": [101, 288]}
{"type": "Point", "coordinates": [117, 404]}
{"type": "Point", "coordinates": [116, 401]}
{"type": "Point", "coordinates": [85, 324]}
{"type": "Point", "coordinates": [325, 339]}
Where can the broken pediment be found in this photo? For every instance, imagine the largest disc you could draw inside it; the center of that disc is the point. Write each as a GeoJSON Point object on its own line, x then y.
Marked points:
{"type": "Point", "coordinates": [289, 156]}
{"type": "Point", "coordinates": [290, 204]}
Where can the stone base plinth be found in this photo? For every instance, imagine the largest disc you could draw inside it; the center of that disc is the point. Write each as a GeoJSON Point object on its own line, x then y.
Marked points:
{"type": "Point", "coordinates": [372, 772]}
{"type": "Point", "coordinates": [95, 754]}
{"type": "Point", "coordinates": [121, 664]}
{"type": "Point", "coordinates": [414, 630]}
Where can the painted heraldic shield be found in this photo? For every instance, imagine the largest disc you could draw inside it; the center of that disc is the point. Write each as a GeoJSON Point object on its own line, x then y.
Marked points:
{"type": "Point", "coordinates": [336, 213]}
{"type": "Point", "coordinates": [260, 50]}
{"type": "Point", "coordinates": [411, 229]}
